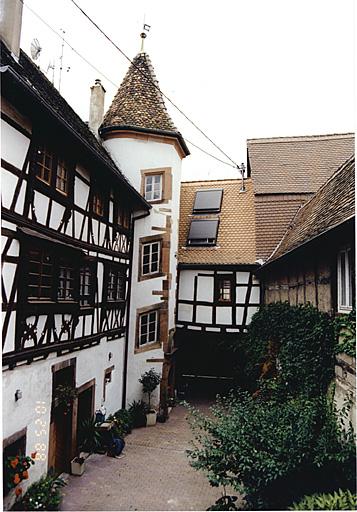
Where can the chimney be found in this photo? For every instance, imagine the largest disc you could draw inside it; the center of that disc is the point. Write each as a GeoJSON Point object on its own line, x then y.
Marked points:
{"type": "Point", "coordinates": [96, 107]}
{"type": "Point", "coordinates": [10, 25]}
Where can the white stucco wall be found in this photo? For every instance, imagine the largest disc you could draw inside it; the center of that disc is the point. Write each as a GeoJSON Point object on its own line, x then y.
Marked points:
{"type": "Point", "coordinates": [132, 156]}
{"type": "Point", "coordinates": [35, 383]}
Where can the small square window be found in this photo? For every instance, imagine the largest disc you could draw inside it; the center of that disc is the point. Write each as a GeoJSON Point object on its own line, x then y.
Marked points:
{"type": "Point", "coordinates": [150, 263]}
{"type": "Point", "coordinates": [203, 232]}
{"type": "Point", "coordinates": [148, 328]}
{"type": "Point", "coordinates": [224, 289]}
{"type": "Point", "coordinates": [153, 187]}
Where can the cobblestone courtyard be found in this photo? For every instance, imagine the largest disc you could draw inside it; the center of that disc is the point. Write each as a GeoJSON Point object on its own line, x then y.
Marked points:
{"type": "Point", "coordinates": [153, 475]}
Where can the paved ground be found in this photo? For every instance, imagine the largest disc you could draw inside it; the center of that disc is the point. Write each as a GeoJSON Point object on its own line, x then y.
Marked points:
{"type": "Point", "coordinates": [154, 474]}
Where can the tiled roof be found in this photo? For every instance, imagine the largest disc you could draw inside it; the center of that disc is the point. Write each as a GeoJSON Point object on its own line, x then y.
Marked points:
{"type": "Point", "coordinates": [333, 204]}
{"type": "Point", "coordinates": [31, 77]}
{"type": "Point", "coordinates": [138, 103]}
{"type": "Point", "coordinates": [236, 232]}
{"type": "Point", "coordinates": [274, 213]}
{"type": "Point", "coordinates": [296, 164]}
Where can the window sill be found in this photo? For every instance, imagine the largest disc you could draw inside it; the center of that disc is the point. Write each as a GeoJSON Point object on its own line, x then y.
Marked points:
{"type": "Point", "coordinates": [145, 277]}
{"type": "Point", "coordinates": [149, 346]}
{"type": "Point", "coordinates": [344, 310]}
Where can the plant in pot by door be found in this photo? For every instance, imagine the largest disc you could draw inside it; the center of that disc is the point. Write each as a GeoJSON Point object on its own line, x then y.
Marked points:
{"type": "Point", "coordinates": [150, 380]}
{"type": "Point", "coordinates": [64, 397]}
{"type": "Point", "coordinates": [77, 465]}
{"type": "Point", "coordinates": [89, 441]}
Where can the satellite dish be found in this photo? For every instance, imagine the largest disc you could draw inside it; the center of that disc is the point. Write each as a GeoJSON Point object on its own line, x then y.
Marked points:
{"type": "Point", "coordinates": [35, 49]}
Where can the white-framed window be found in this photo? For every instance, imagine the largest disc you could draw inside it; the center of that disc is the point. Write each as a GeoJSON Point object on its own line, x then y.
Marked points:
{"type": "Point", "coordinates": [153, 187]}
{"type": "Point", "coordinates": [150, 262]}
{"type": "Point", "coordinates": [148, 328]}
{"type": "Point", "coordinates": [344, 280]}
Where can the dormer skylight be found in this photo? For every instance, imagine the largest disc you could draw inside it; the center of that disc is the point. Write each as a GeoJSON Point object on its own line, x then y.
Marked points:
{"type": "Point", "coordinates": [208, 201]}
{"type": "Point", "coordinates": [203, 232]}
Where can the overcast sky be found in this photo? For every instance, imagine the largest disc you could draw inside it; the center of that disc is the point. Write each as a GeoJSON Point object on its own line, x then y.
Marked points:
{"type": "Point", "coordinates": [239, 68]}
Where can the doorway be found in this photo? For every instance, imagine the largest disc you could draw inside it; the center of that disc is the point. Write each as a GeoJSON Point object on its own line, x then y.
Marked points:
{"type": "Point", "coordinates": [61, 426]}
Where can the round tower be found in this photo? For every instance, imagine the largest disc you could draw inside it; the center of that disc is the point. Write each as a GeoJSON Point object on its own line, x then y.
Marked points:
{"type": "Point", "coordinates": [140, 136]}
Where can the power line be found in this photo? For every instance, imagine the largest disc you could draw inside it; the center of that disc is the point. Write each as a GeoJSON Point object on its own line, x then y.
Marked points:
{"type": "Point", "coordinates": [154, 84]}
{"type": "Point", "coordinates": [209, 154]}
{"type": "Point", "coordinates": [113, 83]}
{"type": "Point", "coordinates": [68, 44]}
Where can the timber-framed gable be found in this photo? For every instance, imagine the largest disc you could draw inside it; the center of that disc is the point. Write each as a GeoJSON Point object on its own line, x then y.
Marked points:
{"type": "Point", "coordinates": [67, 227]}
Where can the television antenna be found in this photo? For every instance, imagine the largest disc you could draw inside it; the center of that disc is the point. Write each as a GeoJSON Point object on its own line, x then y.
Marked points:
{"type": "Point", "coordinates": [35, 49]}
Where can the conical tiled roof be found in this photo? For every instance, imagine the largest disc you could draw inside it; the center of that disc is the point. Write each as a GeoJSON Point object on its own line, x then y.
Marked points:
{"type": "Point", "coordinates": [138, 103]}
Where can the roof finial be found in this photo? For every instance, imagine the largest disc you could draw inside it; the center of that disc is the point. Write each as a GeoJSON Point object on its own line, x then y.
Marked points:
{"type": "Point", "coordinates": [143, 36]}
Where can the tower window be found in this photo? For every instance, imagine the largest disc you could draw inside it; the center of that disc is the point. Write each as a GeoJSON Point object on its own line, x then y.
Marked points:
{"type": "Point", "coordinates": [150, 258]}
{"type": "Point", "coordinates": [153, 187]}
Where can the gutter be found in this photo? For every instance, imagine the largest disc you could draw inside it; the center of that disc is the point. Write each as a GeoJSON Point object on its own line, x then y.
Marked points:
{"type": "Point", "coordinates": [154, 131]}
{"type": "Point", "coordinates": [33, 92]}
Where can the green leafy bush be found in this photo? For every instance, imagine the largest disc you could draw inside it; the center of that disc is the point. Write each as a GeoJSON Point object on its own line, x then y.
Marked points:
{"type": "Point", "coordinates": [293, 345]}
{"type": "Point", "coordinates": [122, 423]}
{"type": "Point", "coordinates": [45, 494]}
{"type": "Point", "coordinates": [346, 334]}
{"type": "Point", "coordinates": [138, 410]}
{"type": "Point", "coordinates": [273, 452]}
{"type": "Point", "coordinates": [339, 500]}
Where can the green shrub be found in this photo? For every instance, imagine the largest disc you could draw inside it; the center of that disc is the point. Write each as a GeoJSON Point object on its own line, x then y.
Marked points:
{"type": "Point", "coordinates": [273, 452]}
{"type": "Point", "coordinates": [42, 495]}
{"type": "Point", "coordinates": [293, 345]}
{"type": "Point", "coordinates": [122, 423]}
{"type": "Point", "coordinates": [138, 410]}
{"type": "Point", "coordinates": [125, 417]}
{"type": "Point", "coordinates": [341, 500]}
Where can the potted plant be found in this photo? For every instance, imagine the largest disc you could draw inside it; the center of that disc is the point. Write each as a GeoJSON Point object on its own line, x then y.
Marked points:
{"type": "Point", "coordinates": [150, 380]}
{"type": "Point", "coordinates": [64, 397]}
{"type": "Point", "coordinates": [77, 465]}
{"type": "Point", "coordinates": [138, 410]}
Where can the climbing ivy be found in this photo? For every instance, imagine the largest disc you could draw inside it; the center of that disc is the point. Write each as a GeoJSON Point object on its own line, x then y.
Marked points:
{"type": "Point", "coordinates": [345, 326]}
{"type": "Point", "coordinates": [291, 347]}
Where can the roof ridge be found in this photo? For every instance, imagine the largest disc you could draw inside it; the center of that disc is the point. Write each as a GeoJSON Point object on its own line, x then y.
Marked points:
{"type": "Point", "coordinates": [305, 138]}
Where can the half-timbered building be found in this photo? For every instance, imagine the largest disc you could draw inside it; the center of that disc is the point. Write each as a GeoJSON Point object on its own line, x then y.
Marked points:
{"type": "Point", "coordinates": [315, 262]}
{"type": "Point", "coordinates": [217, 292]}
{"type": "Point", "coordinates": [140, 136]}
{"type": "Point", "coordinates": [67, 228]}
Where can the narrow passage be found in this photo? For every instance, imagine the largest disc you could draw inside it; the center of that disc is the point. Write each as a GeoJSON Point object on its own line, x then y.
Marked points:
{"type": "Point", "coordinates": [154, 474]}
